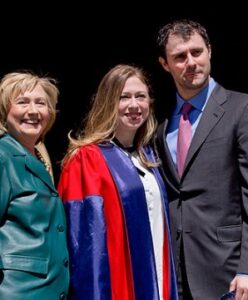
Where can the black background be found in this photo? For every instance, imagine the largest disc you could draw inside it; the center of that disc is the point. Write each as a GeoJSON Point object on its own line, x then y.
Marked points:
{"type": "Point", "coordinates": [78, 42]}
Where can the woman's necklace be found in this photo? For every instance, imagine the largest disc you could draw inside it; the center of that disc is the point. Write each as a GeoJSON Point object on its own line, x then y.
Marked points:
{"type": "Point", "coordinates": [41, 158]}
{"type": "Point", "coordinates": [129, 149]}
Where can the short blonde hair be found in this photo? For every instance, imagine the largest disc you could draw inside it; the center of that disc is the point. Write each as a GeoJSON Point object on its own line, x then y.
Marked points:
{"type": "Point", "coordinates": [16, 83]}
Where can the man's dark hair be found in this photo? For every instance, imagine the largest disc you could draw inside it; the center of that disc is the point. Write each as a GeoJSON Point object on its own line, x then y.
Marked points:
{"type": "Point", "coordinates": [184, 28]}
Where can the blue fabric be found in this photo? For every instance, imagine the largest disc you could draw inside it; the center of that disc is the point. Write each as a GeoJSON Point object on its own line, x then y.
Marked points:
{"type": "Point", "coordinates": [86, 222]}
{"type": "Point", "coordinates": [137, 221]}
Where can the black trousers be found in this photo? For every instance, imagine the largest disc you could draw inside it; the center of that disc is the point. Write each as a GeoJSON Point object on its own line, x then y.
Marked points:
{"type": "Point", "coordinates": [182, 281]}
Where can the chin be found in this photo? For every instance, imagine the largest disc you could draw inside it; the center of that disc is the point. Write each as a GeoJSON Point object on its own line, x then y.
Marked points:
{"type": "Point", "coordinates": [136, 126]}
{"type": "Point", "coordinates": [34, 135]}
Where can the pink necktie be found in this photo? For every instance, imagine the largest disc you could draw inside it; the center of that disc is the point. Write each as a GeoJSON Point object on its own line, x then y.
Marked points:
{"type": "Point", "coordinates": [184, 137]}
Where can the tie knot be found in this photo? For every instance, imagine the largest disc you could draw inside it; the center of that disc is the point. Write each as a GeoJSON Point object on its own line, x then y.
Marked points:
{"type": "Point", "coordinates": [186, 108]}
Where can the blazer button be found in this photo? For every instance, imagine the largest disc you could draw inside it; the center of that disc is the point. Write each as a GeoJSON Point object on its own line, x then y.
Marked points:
{"type": "Point", "coordinates": [60, 228]}
{"type": "Point", "coordinates": [66, 262]}
{"type": "Point", "coordinates": [62, 296]}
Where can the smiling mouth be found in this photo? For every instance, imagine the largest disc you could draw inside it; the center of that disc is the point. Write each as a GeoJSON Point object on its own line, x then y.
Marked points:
{"type": "Point", "coordinates": [133, 115]}
{"type": "Point", "coordinates": [31, 122]}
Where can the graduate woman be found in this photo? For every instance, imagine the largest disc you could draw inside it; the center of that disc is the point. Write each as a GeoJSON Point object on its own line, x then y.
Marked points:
{"type": "Point", "coordinates": [115, 200]}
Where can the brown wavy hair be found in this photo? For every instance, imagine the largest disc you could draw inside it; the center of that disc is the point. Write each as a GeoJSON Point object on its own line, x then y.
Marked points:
{"type": "Point", "coordinates": [101, 122]}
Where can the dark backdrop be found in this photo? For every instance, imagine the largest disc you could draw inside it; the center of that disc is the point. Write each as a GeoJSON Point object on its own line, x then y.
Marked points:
{"type": "Point", "coordinates": [77, 45]}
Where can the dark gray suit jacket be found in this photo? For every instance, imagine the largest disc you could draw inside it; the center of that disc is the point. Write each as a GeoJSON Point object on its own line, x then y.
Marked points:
{"type": "Point", "coordinates": [209, 205]}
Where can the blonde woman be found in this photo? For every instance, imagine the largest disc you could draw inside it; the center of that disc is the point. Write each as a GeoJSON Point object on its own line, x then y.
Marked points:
{"type": "Point", "coordinates": [33, 249]}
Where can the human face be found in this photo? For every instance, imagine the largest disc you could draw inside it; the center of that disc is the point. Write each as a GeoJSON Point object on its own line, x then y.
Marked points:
{"type": "Point", "coordinates": [28, 117]}
{"type": "Point", "coordinates": [133, 109]}
{"type": "Point", "coordinates": [188, 62]}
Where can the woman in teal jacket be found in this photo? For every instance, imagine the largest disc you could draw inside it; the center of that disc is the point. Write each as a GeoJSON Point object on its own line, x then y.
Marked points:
{"type": "Point", "coordinates": [33, 250]}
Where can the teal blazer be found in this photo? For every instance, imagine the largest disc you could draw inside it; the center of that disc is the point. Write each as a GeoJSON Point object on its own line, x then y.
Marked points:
{"type": "Point", "coordinates": [33, 249]}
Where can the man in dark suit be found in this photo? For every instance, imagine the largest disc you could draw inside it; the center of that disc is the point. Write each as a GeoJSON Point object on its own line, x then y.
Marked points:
{"type": "Point", "coordinates": [209, 199]}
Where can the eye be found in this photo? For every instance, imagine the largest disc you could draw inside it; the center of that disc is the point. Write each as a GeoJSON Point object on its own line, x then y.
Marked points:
{"type": "Point", "coordinates": [141, 97]}
{"type": "Point", "coordinates": [196, 52]}
{"type": "Point", "coordinates": [41, 102]}
{"type": "Point", "coordinates": [21, 100]}
{"type": "Point", "coordinates": [181, 57]}
{"type": "Point", "coordinates": [124, 97]}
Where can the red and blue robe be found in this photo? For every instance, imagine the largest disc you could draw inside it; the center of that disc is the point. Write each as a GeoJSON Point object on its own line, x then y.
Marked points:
{"type": "Point", "coordinates": [109, 236]}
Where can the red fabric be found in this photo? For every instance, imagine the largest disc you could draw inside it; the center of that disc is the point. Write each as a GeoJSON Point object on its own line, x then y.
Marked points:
{"type": "Point", "coordinates": [166, 268]}
{"type": "Point", "coordinates": [87, 174]}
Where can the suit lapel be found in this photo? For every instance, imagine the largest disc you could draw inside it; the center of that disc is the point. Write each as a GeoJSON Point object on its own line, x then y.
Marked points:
{"type": "Point", "coordinates": [165, 153]}
{"type": "Point", "coordinates": [169, 161]}
{"type": "Point", "coordinates": [212, 114]}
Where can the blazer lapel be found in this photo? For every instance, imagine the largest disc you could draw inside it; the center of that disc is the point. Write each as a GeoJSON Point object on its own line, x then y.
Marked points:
{"type": "Point", "coordinates": [212, 114]}
{"type": "Point", "coordinates": [32, 163]}
{"type": "Point", "coordinates": [37, 168]}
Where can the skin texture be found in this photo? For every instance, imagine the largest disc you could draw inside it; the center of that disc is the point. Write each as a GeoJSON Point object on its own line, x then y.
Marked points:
{"type": "Point", "coordinates": [133, 109]}
{"type": "Point", "coordinates": [28, 117]}
{"type": "Point", "coordinates": [188, 62]}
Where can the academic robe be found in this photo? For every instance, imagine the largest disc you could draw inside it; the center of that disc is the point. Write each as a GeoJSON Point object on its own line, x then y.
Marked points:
{"type": "Point", "coordinates": [109, 236]}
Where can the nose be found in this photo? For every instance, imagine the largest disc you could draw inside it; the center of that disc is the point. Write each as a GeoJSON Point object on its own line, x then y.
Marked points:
{"type": "Point", "coordinates": [133, 103]}
{"type": "Point", "coordinates": [32, 108]}
{"type": "Point", "coordinates": [190, 60]}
